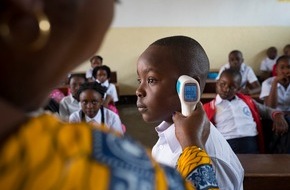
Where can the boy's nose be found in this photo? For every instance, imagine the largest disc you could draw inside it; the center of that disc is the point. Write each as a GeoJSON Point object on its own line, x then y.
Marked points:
{"type": "Point", "coordinates": [90, 104]}
{"type": "Point", "coordinates": [226, 88]}
{"type": "Point", "coordinates": [138, 94]}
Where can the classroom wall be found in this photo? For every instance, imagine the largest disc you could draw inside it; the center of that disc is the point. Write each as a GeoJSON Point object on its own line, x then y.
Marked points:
{"type": "Point", "coordinates": [131, 32]}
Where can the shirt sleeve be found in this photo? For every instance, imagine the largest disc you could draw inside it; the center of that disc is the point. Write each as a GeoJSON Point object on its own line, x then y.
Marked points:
{"type": "Point", "coordinates": [263, 66]}
{"type": "Point", "coordinates": [115, 123]}
{"type": "Point", "coordinates": [74, 117]}
{"type": "Point", "coordinates": [265, 90]}
{"type": "Point", "coordinates": [113, 92]}
{"type": "Point", "coordinates": [195, 166]}
{"type": "Point", "coordinates": [63, 110]}
{"type": "Point", "coordinates": [251, 76]}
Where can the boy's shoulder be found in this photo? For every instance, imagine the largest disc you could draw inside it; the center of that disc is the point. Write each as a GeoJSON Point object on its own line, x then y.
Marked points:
{"type": "Point", "coordinates": [268, 81]}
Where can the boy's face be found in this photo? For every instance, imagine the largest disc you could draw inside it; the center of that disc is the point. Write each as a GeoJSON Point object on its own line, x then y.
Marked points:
{"type": "Point", "coordinates": [157, 98]}
{"type": "Point", "coordinates": [283, 69]}
{"type": "Point", "coordinates": [227, 87]}
{"type": "Point", "coordinates": [75, 83]}
{"type": "Point", "coordinates": [101, 75]}
{"type": "Point", "coordinates": [236, 60]}
{"type": "Point", "coordinates": [272, 53]}
{"type": "Point", "coordinates": [91, 102]}
{"type": "Point", "coordinates": [96, 62]}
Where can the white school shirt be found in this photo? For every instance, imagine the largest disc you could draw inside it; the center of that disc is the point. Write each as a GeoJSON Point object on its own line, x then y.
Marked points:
{"type": "Point", "coordinates": [112, 120]}
{"type": "Point", "coordinates": [229, 171]}
{"type": "Point", "coordinates": [89, 73]}
{"type": "Point", "coordinates": [234, 119]}
{"type": "Point", "coordinates": [267, 64]}
{"type": "Point", "coordinates": [111, 90]}
{"type": "Point", "coordinates": [67, 106]}
{"type": "Point", "coordinates": [283, 94]}
{"type": "Point", "coordinates": [247, 73]}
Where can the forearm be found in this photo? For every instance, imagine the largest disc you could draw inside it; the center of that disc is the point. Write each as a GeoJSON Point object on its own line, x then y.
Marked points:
{"type": "Point", "coordinates": [272, 99]}
{"type": "Point", "coordinates": [195, 166]}
{"type": "Point", "coordinates": [264, 111]}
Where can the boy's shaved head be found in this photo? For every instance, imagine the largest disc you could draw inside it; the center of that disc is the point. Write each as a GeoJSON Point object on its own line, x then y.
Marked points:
{"type": "Point", "coordinates": [188, 55]}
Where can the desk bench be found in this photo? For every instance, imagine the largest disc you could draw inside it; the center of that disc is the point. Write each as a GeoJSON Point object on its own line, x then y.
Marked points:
{"type": "Point", "coordinates": [266, 171]}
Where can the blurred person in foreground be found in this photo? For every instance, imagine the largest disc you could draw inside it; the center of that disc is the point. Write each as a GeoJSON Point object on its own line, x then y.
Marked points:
{"type": "Point", "coordinates": [40, 151]}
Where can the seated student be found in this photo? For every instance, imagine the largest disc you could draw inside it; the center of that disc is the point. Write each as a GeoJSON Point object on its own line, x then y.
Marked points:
{"type": "Point", "coordinates": [90, 95]}
{"type": "Point", "coordinates": [69, 104]}
{"type": "Point", "coordinates": [267, 63]}
{"type": "Point", "coordinates": [43, 152]}
{"type": "Point", "coordinates": [237, 116]}
{"type": "Point", "coordinates": [102, 75]}
{"type": "Point", "coordinates": [250, 83]}
{"type": "Point", "coordinates": [158, 69]}
{"type": "Point", "coordinates": [95, 61]}
{"type": "Point", "coordinates": [286, 51]}
{"type": "Point", "coordinates": [276, 90]}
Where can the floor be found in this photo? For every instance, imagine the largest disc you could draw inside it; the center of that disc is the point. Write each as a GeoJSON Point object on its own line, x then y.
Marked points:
{"type": "Point", "coordinates": [136, 127]}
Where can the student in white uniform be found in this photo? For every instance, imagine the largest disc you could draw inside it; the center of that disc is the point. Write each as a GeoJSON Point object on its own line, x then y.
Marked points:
{"type": "Point", "coordinates": [90, 96]}
{"type": "Point", "coordinates": [238, 117]}
{"type": "Point", "coordinates": [158, 69]}
{"type": "Point", "coordinates": [267, 63]}
{"type": "Point", "coordinates": [70, 104]}
{"type": "Point", "coordinates": [96, 61]}
{"type": "Point", "coordinates": [250, 83]}
{"type": "Point", "coordinates": [276, 90]}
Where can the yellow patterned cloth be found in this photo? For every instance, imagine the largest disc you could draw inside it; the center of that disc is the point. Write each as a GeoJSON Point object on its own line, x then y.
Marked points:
{"type": "Point", "coordinates": [192, 164]}
{"type": "Point", "coordinates": [46, 153]}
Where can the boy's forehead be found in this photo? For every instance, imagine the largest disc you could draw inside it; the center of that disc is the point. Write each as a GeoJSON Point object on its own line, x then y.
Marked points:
{"type": "Point", "coordinates": [158, 56]}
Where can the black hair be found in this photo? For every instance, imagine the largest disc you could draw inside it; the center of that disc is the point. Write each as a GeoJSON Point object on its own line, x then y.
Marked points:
{"type": "Point", "coordinates": [93, 86]}
{"type": "Point", "coordinates": [72, 75]}
{"type": "Point", "coordinates": [96, 57]}
{"type": "Point", "coordinates": [236, 75]}
{"type": "Point", "coordinates": [286, 48]}
{"type": "Point", "coordinates": [102, 67]}
{"type": "Point", "coordinates": [236, 52]}
{"type": "Point", "coordinates": [188, 55]}
{"type": "Point", "coordinates": [283, 57]}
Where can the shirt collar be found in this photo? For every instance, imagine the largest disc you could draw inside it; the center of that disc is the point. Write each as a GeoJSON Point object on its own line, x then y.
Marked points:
{"type": "Point", "coordinates": [106, 83]}
{"type": "Point", "coordinates": [243, 66]}
{"type": "Point", "coordinates": [168, 132]}
{"type": "Point", "coordinates": [219, 100]}
{"type": "Point", "coordinates": [72, 98]}
{"type": "Point", "coordinates": [95, 119]}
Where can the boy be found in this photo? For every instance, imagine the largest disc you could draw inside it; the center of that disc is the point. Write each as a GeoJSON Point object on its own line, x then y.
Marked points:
{"type": "Point", "coordinates": [268, 63]}
{"type": "Point", "coordinates": [69, 104]}
{"type": "Point", "coordinates": [250, 83]}
{"type": "Point", "coordinates": [158, 69]}
{"type": "Point", "coordinates": [95, 62]}
{"type": "Point", "coordinates": [276, 90]}
{"type": "Point", "coordinates": [237, 116]}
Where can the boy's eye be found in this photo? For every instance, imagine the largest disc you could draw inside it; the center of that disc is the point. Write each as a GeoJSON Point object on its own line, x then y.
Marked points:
{"type": "Point", "coordinates": [139, 81]}
{"type": "Point", "coordinates": [93, 102]}
{"type": "Point", "coordinates": [151, 80]}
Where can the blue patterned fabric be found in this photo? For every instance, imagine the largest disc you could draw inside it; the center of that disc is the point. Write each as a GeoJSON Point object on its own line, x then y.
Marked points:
{"type": "Point", "coordinates": [203, 177]}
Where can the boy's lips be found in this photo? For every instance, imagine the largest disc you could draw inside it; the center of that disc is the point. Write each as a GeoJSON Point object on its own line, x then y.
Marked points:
{"type": "Point", "coordinates": [141, 107]}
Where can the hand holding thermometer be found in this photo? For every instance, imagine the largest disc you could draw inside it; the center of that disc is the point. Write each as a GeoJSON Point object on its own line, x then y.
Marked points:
{"type": "Point", "coordinates": [189, 93]}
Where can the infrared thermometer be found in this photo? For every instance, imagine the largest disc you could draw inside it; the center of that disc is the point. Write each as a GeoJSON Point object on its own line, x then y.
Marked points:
{"type": "Point", "coordinates": [188, 91]}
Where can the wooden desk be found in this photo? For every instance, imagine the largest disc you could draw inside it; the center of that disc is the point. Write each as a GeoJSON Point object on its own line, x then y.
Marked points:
{"type": "Point", "coordinates": [210, 86]}
{"type": "Point", "coordinates": [266, 171]}
{"type": "Point", "coordinates": [206, 97]}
